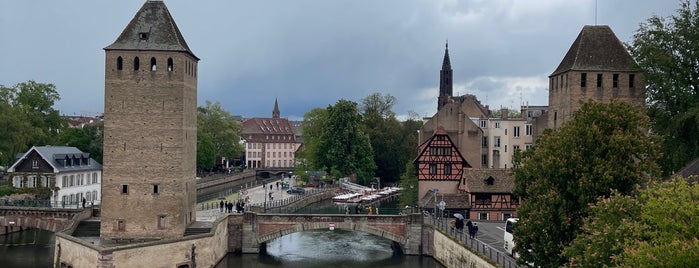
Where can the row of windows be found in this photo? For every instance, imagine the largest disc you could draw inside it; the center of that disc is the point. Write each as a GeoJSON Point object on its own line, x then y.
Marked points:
{"type": "Point", "coordinates": [76, 198]}
{"type": "Point", "coordinates": [278, 163]}
{"type": "Point", "coordinates": [600, 80]}
{"type": "Point", "coordinates": [446, 168]}
{"type": "Point", "coordinates": [278, 137]}
{"type": "Point", "coordinates": [190, 67]}
{"type": "Point", "coordinates": [286, 145]}
{"type": "Point", "coordinates": [125, 189]}
{"type": "Point", "coordinates": [79, 179]}
{"type": "Point", "coordinates": [162, 221]}
{"type": "Point", "coordinates": [273, 154]}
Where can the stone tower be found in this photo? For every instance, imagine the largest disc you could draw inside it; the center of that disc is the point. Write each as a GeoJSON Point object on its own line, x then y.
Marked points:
{"type": "Point", "coordinates": [598, 67]}
{"type": "Point", "coordinates": [275, 112]}
{"type": "Point", "coordinates": [150, 130]}
{"type": "Point", "coordinates": [446, 87]}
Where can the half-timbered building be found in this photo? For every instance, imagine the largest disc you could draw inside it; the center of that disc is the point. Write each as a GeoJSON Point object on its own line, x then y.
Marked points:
{"type": "Point", "coordinates": [440, 168]}
{"type": "Point", "coordinates": [490, 193]}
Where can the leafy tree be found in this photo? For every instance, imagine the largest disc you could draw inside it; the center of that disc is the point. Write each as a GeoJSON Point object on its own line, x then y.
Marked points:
{"type": "Point", "coordinates": [409, 183]}
{"type": "Point", "coordinates": [666, 49]}
{"type": "Point", "coordinates": [312, 129]}
{"type": "Point", "coordinates": [384, 132]}
{"type": "Point", "coordinates": [221, 128]}
{"type": "Point", "coordinates": [27, 118]}
{"type": "Point", "coordinates": [342, 144]}
{"type": "Point", "coordinates": [206, 151]}
{"type": "Point", "coordinates": [88, 139]}
{"type": "Point", "coordinates": [651, 230]}
{"type": "Point", "coordinates": [603, 148]}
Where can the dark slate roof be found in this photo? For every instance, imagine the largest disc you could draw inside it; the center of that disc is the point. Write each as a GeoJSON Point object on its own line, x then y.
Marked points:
{"type": "Point", "coordinates": [162, 33]}
{"type": "Point", "coordinates": [476, 180]}
{"type": "Point", "coordinates": [453, 201]}
{"type": "Point", "coordinates": [54, 155]}
{"type": "Point", "coordinates": [690, 170]}
{"type": "Point", "coordinates": [597, 49]}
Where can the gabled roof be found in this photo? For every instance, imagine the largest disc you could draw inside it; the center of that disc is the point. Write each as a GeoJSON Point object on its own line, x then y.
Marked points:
{"type": "Point", "coordinates": [477, 180]}
{"type": "Point", "coordinates": [161, 32]}
{"type": "Point", "coordinates": [53, 154]}
{"type": "Point", "coordinates": [597, 49]}
{"type": "Point", "coordinates": [440, 132]}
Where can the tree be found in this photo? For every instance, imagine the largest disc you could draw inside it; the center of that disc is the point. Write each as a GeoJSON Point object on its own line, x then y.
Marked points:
{"type": "Point", "coordinates": [603, 148]}
{"type": "Point", "coordinates": [667, 51]}
{"type": "Point", "coordinates": [384, 132]}
{"type": "Point", "coordinates": [206, 151]}
{"type": "Point", "coordinates": [342, 144]}
{"type": "Point", "coordinates": [409, 183]}
{"type": "Point", "coordinates": [221, 128]}
{"type": "Point", "coordinates": [27, 118]}
{"type": "Point", "coordinates": [312, 129]}
{"type": "Point", "coordinates": [88, 139]}
{"type": "Point", "coordinates": [653, 229]}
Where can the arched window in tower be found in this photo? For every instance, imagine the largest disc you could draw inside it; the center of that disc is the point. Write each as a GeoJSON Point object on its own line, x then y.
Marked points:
{"type": "Point", "coordinates": [136, 64]}
{"type": "Point", "coordinates": [169, 64]}
{"type": "Point", "coordinates": [120, 63]}
{"type": "Point", "coordinates": [153, 66]}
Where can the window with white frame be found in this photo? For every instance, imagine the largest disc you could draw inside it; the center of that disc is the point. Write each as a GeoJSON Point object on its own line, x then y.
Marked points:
{"type": "Point", "coordinates": [528, 129]}
{"type": "Point", "coordinates": [515, 131]}
{"type": "Point", "coordinates": [484, 123]}
{"type": "Point", "coordinates": [496, 141]}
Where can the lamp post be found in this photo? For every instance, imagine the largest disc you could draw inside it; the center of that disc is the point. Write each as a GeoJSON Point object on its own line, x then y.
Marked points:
{"type": "Point", "coordinates": [434, 194]}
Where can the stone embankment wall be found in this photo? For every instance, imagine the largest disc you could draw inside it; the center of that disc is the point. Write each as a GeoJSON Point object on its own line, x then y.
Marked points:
{"type": "Point", "coordinates": [451, 253]}
{"type": "Point", "coordinates": [206, 250]}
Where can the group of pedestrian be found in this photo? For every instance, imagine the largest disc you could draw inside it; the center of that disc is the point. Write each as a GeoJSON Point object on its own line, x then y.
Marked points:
{"type": "Point", "coordinates": [472, 227]}
{"type": "Point", "coordinates": [228, 206]}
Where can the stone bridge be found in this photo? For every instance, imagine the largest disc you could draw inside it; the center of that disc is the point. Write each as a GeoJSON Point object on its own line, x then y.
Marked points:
{"type": "Point", "coordinates": [403, 230]}
{"type": "Point", "coordinates": [45, 218]}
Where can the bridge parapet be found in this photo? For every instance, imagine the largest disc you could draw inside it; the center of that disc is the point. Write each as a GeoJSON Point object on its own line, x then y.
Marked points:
{"type": "Point", "coordinates": [45, 218]}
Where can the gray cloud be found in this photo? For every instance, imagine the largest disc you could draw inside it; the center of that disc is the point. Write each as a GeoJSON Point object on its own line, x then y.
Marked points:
{"type": "Point", "coordinates": [312, 53]}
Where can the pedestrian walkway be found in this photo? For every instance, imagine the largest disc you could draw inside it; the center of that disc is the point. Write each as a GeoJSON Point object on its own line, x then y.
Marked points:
{"type": "Point", "coordinates": [254, 195]}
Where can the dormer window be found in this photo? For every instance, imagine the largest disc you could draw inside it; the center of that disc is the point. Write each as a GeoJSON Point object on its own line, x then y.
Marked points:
{"type": "Point", "coordinates": [143, 35]}
{"type": "Point", "coordinates": [490, 180]}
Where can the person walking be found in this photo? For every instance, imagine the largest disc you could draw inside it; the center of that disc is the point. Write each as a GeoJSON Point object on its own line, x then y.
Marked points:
{"type": "Point", "coordinates": [220, 205]}
{"type": "Point", "coordinates": [459, 224]}
{"type": "Point", "coordinates": [84, 202]}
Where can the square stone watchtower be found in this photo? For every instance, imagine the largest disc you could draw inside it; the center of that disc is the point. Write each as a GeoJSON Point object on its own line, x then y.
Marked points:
{"type": "Point", "coordinates": [150, 130]}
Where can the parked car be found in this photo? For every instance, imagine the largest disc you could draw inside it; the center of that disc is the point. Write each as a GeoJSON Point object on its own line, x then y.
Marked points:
{"type": "Point", "coordinates": [296, 190]}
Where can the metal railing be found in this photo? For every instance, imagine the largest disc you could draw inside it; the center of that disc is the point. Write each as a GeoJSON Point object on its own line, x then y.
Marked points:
{"type": "Point", "coordinates": [475, 245]}
{"type": "Point", "coordinates": [46, 204]}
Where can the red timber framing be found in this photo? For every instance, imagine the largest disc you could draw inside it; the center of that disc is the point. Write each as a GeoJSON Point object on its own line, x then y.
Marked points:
{"type": "Point", "coordinates": [439, 159]}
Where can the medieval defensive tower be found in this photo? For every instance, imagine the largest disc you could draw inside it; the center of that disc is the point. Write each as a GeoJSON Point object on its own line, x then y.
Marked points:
{"type": "Point", "coordinates": [150, 130]}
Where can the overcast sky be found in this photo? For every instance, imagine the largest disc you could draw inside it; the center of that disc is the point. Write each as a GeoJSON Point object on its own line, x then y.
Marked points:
{"type": "Point", "coordinates": [312, 53]}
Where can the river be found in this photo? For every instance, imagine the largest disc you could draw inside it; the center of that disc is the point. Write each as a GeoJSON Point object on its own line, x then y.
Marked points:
{"type": "Point", "coordinates": [308, 249]}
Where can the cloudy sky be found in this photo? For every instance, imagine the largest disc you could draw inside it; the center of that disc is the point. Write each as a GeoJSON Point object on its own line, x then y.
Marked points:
{"type": "Point", "coordinates": [310, 54]}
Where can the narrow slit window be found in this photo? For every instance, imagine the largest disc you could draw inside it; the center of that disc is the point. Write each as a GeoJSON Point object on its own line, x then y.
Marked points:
{"type": "Point", "coordinates": [155, 188]}
{"type": "Point", "coordinates": [120, 63]}
{"type": "Point", "coordinates": [153, 66]}
{"type": "Point", "coordinates": [136, 64]}
{"type": "Point", "coordinates": [124, 189]}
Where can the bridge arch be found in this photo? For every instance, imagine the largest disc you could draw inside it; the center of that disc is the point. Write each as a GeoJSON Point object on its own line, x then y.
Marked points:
{"type": "Point", "coordinates": [404, 230]}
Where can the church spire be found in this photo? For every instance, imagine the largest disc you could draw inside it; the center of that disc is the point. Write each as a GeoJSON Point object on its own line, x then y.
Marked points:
{"type": "Point", "coordinates": [446, 87]}
{"type": "Point", "coordinates": [275, 112]}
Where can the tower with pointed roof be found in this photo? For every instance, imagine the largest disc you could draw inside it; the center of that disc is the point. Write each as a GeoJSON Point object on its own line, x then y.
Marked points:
{"type": "Point", "coordinates": [446, 87]}
{"type": "Point", "coordinates": [275, 112]}
{"type": "Point", "coordinates": [150, 130]}
{"type": "Point", "coordinates": [597, 66]}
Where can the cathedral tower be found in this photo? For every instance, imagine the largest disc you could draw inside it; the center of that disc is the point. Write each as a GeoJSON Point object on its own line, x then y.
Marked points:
{"type": "Point", "coordinates": [446, 87]}
{"type": "Point", "coordinates": [150, 130]}
{"type": "Point", "coordinates": [275, 112]}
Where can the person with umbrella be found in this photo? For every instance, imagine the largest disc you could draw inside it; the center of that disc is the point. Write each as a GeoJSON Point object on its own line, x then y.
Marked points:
{"type": "Point", "coordinates": [459, 224]}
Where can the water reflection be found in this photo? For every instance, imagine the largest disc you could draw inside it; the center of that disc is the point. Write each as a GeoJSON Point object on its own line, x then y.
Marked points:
{"type": "Point", "coordinates": [29, 248]}
{"type": "Point", "coordinates": [325, 248]}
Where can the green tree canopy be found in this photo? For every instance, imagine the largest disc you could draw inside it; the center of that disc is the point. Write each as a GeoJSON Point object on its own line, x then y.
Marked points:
{"type": "Point", "coordinates": [342, 144]}
{"type": "Point", "coordinates": [605, 147]}
{"type": "Point", "coordinates": [667, 51]}
{"type": "Point", "coordinates": [88, 139]}
{"type": "Point", "coordinates": [655, 229]}
{"type": "Point", "coordinates": [27, 118]}
{"type": "Point", "coordinates": [223, 130]}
